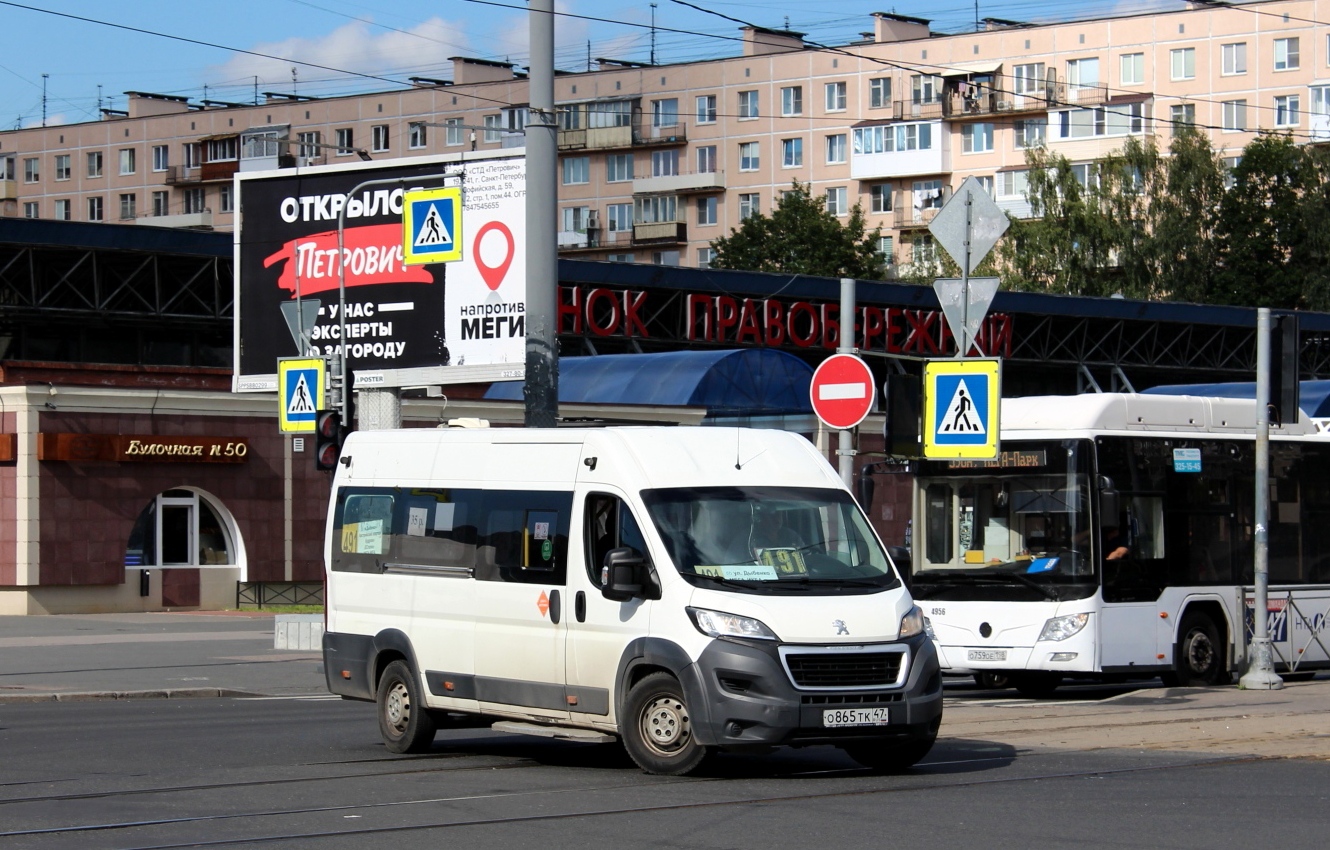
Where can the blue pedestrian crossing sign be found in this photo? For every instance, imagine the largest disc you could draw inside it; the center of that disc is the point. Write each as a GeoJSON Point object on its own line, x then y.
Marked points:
{"type": "Point", "coordinates": [432, 226]}
{"type": "Point", "coordinates": [301, 382]}
{"type": "Point", "coordinates": [961, 401]}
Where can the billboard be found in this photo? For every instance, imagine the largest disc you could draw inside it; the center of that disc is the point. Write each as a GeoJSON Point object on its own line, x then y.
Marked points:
{"type": "Point", "coordinates": [468, 311]}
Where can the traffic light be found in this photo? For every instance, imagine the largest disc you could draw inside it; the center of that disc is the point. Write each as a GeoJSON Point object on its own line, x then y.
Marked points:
{"type": "Point", "coordinates": [328, 437]}
{"type": "Point", "coordinates": [1285, 358]}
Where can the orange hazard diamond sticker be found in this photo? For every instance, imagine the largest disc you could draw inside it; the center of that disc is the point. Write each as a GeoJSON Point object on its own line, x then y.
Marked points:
{"type": "Point", "coordinates": [543, 603]}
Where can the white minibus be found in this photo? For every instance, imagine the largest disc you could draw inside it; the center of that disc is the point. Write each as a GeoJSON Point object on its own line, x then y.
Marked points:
{"type": "Point", "coordinates": [685, 590]}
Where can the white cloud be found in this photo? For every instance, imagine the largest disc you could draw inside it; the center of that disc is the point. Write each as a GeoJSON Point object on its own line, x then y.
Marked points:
{"type": "Point", "coordinates": [357, 47]}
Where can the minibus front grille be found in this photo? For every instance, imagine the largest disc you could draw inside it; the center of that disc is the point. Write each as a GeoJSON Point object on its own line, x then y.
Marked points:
{"type": "Point", "coordinates": [830, 669]}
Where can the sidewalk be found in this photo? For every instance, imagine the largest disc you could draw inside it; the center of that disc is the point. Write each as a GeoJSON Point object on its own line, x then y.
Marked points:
{"type": "Point", "coordinates": [112, 656]}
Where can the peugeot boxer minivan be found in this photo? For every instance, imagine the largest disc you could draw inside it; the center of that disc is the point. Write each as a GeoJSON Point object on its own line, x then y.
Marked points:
{"type": "Point", "coordinates": [685, 590]}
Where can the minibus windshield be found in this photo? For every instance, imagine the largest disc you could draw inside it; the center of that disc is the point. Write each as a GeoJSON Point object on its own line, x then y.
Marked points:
{"type": "Point", "coordinates": [770, 539]}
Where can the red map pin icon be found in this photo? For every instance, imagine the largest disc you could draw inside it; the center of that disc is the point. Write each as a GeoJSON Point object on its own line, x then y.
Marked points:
{"type": "Point", "coordinates": [493, 275]}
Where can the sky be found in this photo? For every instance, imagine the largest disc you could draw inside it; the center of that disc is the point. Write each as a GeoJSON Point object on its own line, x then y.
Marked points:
{"type": "Point", "coordinates": [87, 54]}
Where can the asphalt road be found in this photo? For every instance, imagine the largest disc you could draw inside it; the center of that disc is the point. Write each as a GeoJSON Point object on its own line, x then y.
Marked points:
{"type": "Point", "coordinates": [291, 772]}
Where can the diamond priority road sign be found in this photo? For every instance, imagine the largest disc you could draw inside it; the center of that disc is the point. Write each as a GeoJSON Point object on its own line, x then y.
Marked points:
{"type": "Point", "coordinates": [986, 223]}
{"type": "Point", "coordinates": [961, 403]}
{"type": "Point", "coordinates": [842, 391]}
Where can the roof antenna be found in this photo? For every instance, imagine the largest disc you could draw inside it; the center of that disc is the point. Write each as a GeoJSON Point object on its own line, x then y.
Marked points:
{"type": "Point", "coordinates": [653, 33]}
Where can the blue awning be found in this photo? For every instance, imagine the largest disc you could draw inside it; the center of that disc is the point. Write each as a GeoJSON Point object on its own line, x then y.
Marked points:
{"type": "Point", "coordinates": [1313, 396]}
{"type": "Point", "coordinates": [745, 382]}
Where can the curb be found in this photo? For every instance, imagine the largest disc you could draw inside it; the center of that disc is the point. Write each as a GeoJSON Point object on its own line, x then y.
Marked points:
{"type": "Point", "coordinates": [89, 696]}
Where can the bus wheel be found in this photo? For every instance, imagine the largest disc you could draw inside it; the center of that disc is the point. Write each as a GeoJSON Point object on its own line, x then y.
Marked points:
{"type": "Point", "coordinates": [1198, 657]}
{"type": "Point", "coordinates": [657, 729]}
{"type": "Point", "coordinates": [992, 681]}
{"type": "Point", "coordinates": [404, 723]}
{"type": "Point", "coordinates": [1036, 685]}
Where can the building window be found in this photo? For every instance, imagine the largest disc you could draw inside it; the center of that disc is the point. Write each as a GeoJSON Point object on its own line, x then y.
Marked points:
{"type": "Point", "coordinates": [665, 258]}
{"type": "Point", "coordinates": [346, 140]}
{"type": "Point", "coordinates": [748, 104]}
{"type": "Point", "coordinates": [7, 167]}
{"type": "Point", "coordinates": [1029, 79]}
{"type": "Point", "coordinates": [893, 137]}
{"type": "Point", "coordinates": [161, 157]}
{"type": "Point", "coordinates": [749, 158]}
{"type": "Point", "coordinates": [1286, 54]}
{"type": "Point", "coordinates": [665, 163]}
{"type": "Point", "coordinates": [657, 208]}
{"type": "Point", "coordinates": [886, 246]}
{"type": "Point", "coordinates": [127, 161]}
{"type": "Point", "coordinates": [925, 88]}
{"type": "Point", "coordinates": [493, 129]}
{"type": "Point", "coordinates": [452, 131]}
{"type": "Point", "coordinates": [619, 168]}
{"type": "Point", "coordinates": [927, 194]}
{"type": "Point", "coordinates": [193, 154]}
{"type": "Point", "coordinates": [62, 168]}
{"type": "Point", "coordinates": [706, 159]}
{"type": "Point", "coordinates": [1083, 73]}
{"type": "Point", "coordinates": [576, 170]}
{"type": "Point", "coordinates": [619, 218]}
{"type": "Point", "coordinates": [30, 209]}
{"type": "Point", "coordinates": [1013, 184]}
{"type": "Point", "coordinates": [879, 92]}
{"type": "Point", "coordinates": [835, 149]}
{"type": "Point", "coordinates": [1286, 110]}
{"type": "Point", "coordinates": [622, 258]}
{"type": "Point", "coordinates": [224, 199]}
{"type": "Point", "coordinates": [665, 113]}
{"type": "Point", "coordinates": [838, 200]}
{"type": "Point", "coordinates": [1235, 115]}
{"type": "Point", "coordinates": [706, 210]}
{"type": "Point", "coordinates": [308, 145]}
{"type": "Point", "coordinates": [792, 100]}
{"type": "Point", "coordinates": [575, 219]}
{"type": "Point", "coordinates": [161, 203]}
{"type": "Point", "coordinates": [611, 113]}
{"type": "Point", "coordinates": [194, 201]}
{"type": "Point", "coordinates": [63, 209]}
{"type": "Point", "coordinates": [96, 208]}
{"type": "Point", "coordinates": [750, 204]}
{"type": "Point", "coordinates": [1030, 132]}
{"type": "Point", "coordinates": [32, 170]}
{"type": "Point", "coordinates": [835, 97]}
{"type": "Point", "coordinates": [1183, 63]}
{"type": "Point", "coordinates": [225, 150]}
{"type": "Point", "coordinates": [1233, 58]}
{"type": "Point", "coordinates": [704, 257]}
{"type": "Point", "coordinates": [1133, 68]}
{"type": "Point", "coordinates": [792, 153]}
{"type": "Point", "coordinates": [880, 197]}
{"type": "Point", "coordinates": [1117, 120]}
{"type": "Point", "coordinates": [706, 109]}
{"type": "Point", "coordinates": [977, 137]}
{"type": "Point", "coordinates": [94, 163]}
{"type": "Point", "coordinates": [128, 206]}
{"type": "Point", "coordinates": [416, 135]}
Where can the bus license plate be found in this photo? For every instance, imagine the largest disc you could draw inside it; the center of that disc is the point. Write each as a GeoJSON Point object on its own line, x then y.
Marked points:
{"type": "Point", "coordinates": [835, 717]}
{"type": "Point", "coordinates": [987, 655]}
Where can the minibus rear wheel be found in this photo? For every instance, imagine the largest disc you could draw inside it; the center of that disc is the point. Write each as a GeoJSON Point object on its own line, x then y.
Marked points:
{"type": "Point", "coordinates": [657, 729]}
{"type": "Point", "coordinates": [406, 726]}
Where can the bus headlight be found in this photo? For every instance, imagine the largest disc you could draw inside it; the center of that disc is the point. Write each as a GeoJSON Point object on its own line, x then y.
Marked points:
{"type": "Point", "coordinates": [1061, 628]}
{"type": "Point", "coordinates": [913, 622]}
{"type": "Point", "coordinates": [720, 624]}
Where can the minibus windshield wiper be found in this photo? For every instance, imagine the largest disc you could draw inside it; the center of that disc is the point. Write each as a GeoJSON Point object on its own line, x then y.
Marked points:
{"type": "Point", "coordinates": [729, 582]}
{"type": "Point", "coordinates": [828, 582]}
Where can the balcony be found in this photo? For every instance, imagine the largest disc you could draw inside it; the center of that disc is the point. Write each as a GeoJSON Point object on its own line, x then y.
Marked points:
{"type": "Point", "coordinates": [660, 233]}
{"type": "Point", "coordinates": [209, 172]}
{"type": "Point", "coordinates": [886, 164]}
{"type": "Point", "coordinates": [638, 134]}
{"type": "Point", "coordinates": [909, 110]}
{"type": "Point", "coordinates": [918, 209]}
{"type": "Point", "coordinates": [958, 107]}
{"type": "Point", "coordinates": [8, 190]}
{"type": "Point", "coordinates": [1076, 95]}
{"type": "Point", "coordinates": [197, 221]}
{"type": "Point", "coordinates": [683, 183]}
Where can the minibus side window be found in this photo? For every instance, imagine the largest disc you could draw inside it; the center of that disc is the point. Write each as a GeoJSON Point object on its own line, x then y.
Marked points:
{"type": "Point", "coordinates": [363, 530]}
{"type": "Point", "coordinates": [523, 536]}
{"type": "Point", "coordinates": [436, 528]}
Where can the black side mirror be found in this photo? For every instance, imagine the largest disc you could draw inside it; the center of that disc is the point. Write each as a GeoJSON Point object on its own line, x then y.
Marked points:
{"type": "Point", "coordinates": [900, 556]}
{"type": "Point", "coordinates": [621, 577]}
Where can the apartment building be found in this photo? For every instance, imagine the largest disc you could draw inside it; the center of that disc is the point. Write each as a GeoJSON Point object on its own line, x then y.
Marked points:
{"type": "Point", "coordinates": [658, 160]}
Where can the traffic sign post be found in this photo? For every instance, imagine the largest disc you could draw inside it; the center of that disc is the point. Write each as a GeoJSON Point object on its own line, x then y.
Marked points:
{"type": "Point", "coordinates": [842, 391]}
{"type": "Point", "coordinates": [301, 384]}
{"type": "Point", "coordinates": [961, 404]}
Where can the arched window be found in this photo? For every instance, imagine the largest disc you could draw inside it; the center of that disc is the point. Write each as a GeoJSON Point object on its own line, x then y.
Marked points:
{"type": "Point", "coordinates": [181, 528]}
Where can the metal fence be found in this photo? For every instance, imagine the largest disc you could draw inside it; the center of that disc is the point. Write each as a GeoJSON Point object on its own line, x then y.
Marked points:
{"type": "Point", "coordinates": [256, 594]}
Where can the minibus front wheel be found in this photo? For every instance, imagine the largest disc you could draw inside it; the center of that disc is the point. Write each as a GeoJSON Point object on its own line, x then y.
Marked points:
{"type": "Point", "coordinates": [657, 728]}
{"type": "Point", "coordinates": [405, 724]}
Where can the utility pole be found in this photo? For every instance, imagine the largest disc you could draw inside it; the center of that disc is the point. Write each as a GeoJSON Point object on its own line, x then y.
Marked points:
{"type": "Point", "coordinates": [541, 390]}
{"type": "Point", "coordinates": [44, 79]}
{"type": "Point", "coordinates": [845, 441]}
{"type": "Point", "coordinates": [1260, 674]}
{"type": "Point", "coordinates": [653, 33]}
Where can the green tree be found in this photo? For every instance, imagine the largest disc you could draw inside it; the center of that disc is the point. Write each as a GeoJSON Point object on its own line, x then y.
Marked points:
{"type": "Point", "coordinates": [801, 237]}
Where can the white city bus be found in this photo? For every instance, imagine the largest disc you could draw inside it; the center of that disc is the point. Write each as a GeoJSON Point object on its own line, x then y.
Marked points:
{"type": "Point", "coordinates": [1113, 537]}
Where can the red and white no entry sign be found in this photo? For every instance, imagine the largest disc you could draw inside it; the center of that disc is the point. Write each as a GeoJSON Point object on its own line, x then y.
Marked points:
{"type": "Point", "coordinates": [842, 391]}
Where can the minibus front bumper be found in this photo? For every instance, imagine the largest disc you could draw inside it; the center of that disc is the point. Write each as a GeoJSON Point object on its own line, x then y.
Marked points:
{"type": "Point", "coordinates": [760, 693]}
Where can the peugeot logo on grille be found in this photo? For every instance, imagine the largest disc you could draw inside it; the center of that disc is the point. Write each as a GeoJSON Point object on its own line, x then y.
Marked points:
{"type": "Point", "coordinates": [839, 626]}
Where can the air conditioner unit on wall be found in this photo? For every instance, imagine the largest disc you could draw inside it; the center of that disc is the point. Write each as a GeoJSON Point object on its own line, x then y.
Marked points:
{"type": "Point", "coordinates": [593, 220]}
{"type": "Point", "coordinates": [1003, 106]}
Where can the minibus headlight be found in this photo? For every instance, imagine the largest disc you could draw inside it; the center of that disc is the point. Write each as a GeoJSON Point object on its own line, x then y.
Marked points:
{"type": "Point", "coordinates": [913, 622]}
{"type": "Point", "coordinates": [720, 624]}
{"type": "Point", "coordinates": [1061, 628]}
